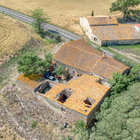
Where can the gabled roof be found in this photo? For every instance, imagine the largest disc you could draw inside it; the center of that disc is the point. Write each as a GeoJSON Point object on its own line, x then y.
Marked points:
{"type": "Point", "coordinates": [137, 25]}
{"type": "Point", "coordinates": [82, 88]}
{"type": "Point", "coordinates": [116, 32]}
{"type": "Point", "coordinates": [102, 20]}
{"type": "Point", "coordinates": [80, 55]}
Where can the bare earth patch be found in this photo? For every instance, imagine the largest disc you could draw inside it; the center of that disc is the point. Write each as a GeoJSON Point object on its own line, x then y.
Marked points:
{"type": "Point", "coordinates": [13, 36]}
{"type": "Point", "coordinates": [63, 13]}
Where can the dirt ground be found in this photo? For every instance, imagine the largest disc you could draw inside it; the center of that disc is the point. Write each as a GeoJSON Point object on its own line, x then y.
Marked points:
{"type": "Point", "coordinates": [13, 36]}
{"type": "Point", "coordinates": [24, 117]}
{"type": "Point", "coordinates": [63, 13]}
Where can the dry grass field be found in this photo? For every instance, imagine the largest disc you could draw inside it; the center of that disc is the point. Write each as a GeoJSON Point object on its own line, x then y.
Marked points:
{"type": "Point", "coordinates": [63, 13]}
{"type": "Point", "coordinates": [13, 36]}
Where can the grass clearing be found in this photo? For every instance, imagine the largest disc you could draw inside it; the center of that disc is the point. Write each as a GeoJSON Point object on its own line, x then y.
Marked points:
{"type": "Point", "coordinates": [122, 57]}
{"type": "Point", "coordinates": [134, 49]}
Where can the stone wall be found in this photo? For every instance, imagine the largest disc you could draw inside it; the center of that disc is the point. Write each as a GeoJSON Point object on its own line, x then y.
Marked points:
{"type": "Point", "coordinates": [91, 115]}
{"type": "Point", "coordinates": [69, 114]}
{"type": "Point", "coordinates": [24, 87]}
{"type": "Point", "coordinates": [86, 27]}
{"type": "Point", "coordinates": [120, 42]}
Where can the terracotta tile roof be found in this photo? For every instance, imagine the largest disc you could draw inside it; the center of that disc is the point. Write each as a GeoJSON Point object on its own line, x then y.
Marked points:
{"type": "Point", "coordinates": [106, 20]}
{"type": "Point", "coordinates": [137, 25]}
{"type": "Point", "coordinates": [85, 86]}
{"type": "Point", "coordinates": [80, 55]}
{"type": "Point", "coordinates": [31, 81]}
{"type": "Point", "coordinates": [116, 32]}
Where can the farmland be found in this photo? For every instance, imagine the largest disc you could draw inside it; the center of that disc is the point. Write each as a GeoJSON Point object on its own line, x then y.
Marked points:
{"type": "Point", "coordinates": [13, 36]}
{"type": "Point", "coordinates": [66, 13]}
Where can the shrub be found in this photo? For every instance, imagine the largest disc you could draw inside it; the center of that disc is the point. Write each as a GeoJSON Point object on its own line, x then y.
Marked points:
{"type": "Point", "coordinates": [119, 83]}
{"type": "Point", "coordinates": [135, 73]}
{"type": "Point", "coordinates": [120, 59]}
{"type": "Point", "coordinates": [80, 131]}
{"type": "Point", "coordinates": [59, 70]}
{"type": "Point", "coordinates": [33, 124]}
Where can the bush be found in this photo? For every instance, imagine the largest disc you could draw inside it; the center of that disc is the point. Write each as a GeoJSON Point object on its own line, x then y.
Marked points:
{"type": "Point", "coordinates": [135, 73]}
{"type": "Point", "coordinates": [81, 131]}
{"type": "Point", "coordinates": [119, 83]}
{"type": "Point", "coordinates": [33, 124]}
{"type": "Point", "coordinates": [60, 70]}
{"type": "Point", "coordinates": [120, 59]}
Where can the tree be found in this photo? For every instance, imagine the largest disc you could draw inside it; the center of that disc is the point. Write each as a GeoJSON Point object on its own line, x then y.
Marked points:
{"type": "Point", "coordinates": [124, 6]}
{"type": "Point", "coordinates": [119, 83]}
{"type": "Point", "coordinates": [40, 17]}
{"type": "Point", "coordinates": [122, 119]}
{"type": "Point", "coordinates": [135, 73]}
{"type": "Point", "coordinates": [60, 70]}
{"type": "Point", "coordinates": [80, 131]}
{"type": "Point", "coordinates": [92, 14]}
{"type": "Point", "coordinates": [31, 64]}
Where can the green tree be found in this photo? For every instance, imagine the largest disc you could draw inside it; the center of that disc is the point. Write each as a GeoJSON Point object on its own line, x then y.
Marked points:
{"type": "Point", "coordinates": [124, 6]}
{"type": "Point", "coordinates": [122, 119]}
{"type": "Point", "coordinates": [119, 83]}
{"type": "Point", "coordinates": [31, 64]}
{"type": "Point", "coordinates": [60, 70]}
{"type": "Point", "coordinates": [40, 17]}
{"type": "Point", "coordinates": [92, 14]}
{"type": "Point", "coordinates": [135, 73]}
{"type": "Point", "coordinates": [80, 131]}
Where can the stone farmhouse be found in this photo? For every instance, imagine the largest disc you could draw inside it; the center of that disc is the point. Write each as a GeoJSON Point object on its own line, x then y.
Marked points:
{"type": "Point", "coordinates": [81, 96]}
{"type": "Point", "coordinates": [105, 30]}
{"type": "Point", "coordinates": [78, 99]}
{"type": "Point", "coordinates": [80, 58]}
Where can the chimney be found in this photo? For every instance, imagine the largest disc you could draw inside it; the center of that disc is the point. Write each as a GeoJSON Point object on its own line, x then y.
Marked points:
{"type": "Point", "coordinates": [104, 53]}
{"type": "Point", "coordinates": [103, 56]}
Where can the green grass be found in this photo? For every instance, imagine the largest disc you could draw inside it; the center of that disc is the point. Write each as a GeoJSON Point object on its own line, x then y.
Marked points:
{"type": "Point", "coordinates": [134, 49]}
{"type": "Point", "coordinates": [127, 61]}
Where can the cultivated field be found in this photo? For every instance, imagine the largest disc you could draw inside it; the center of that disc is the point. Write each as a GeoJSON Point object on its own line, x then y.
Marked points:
{"type": "Point", "coordinates": [13, 35]}
{"type": "Point", "coordinates": [63, 13]}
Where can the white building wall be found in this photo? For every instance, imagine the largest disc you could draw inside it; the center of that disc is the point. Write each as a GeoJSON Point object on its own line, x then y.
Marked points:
{"type": "Point", "coordinates": [86, 27]}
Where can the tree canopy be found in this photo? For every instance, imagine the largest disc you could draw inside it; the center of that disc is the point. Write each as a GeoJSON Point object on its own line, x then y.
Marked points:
{"type": "Point", "coordinates": [31, 64]}
{"type": "Point", "coordinates": [122, 119]}
{"type": "Point", "coordinates": [60, 70]}
{"type": "Point", "coordinates": [125, 6]}
{"type": "Point", "coordinates": [40, 17]}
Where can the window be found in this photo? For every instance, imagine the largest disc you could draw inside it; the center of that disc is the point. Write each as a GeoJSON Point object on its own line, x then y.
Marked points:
{"type": "Point", "coordinates": [62, 109]}
{"type": "Point", "coordinates": [95, 39]}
